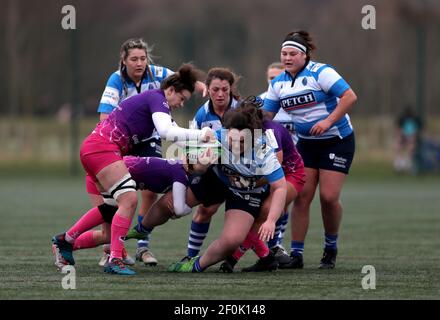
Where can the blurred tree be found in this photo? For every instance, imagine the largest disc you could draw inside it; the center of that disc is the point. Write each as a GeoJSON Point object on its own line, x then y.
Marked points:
{"type": "Point", "coordinates": [13, 57]}
{"type": "Point", "coordinates": [244, 35]}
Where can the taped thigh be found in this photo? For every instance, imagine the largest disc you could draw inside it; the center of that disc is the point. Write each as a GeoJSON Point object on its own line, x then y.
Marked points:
{"type": "Point", "coordinates": [125, 184]}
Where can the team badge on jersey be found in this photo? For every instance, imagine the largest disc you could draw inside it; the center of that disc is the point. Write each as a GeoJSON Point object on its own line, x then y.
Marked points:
{"type": "Point", "coordinates": [158, 71]}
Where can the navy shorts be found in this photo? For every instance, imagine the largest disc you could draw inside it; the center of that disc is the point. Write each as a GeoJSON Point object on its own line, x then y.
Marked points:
{"type": "Point", "coordinates": [148, 148]}
{"type": "Point", "coordinates": [209, 189]}
{"type": "Point", "coordinates": [333, 154]}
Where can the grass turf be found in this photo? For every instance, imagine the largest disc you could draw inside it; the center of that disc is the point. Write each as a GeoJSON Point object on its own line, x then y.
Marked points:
{"type": "Point", "coordinates": [390, 222]}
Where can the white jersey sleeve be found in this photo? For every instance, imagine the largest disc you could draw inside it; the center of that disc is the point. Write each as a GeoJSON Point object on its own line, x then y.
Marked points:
{"type": "Point", "coordinates": [179, 200]}
{"type": "Point", "coordinates": [111, 95]}
{"type": "Point", "coordinates": [272, 98]}
{"type": "Point", "coordinates": [171, 132]}
{"type": "Point", "coordinates": [331, 82]}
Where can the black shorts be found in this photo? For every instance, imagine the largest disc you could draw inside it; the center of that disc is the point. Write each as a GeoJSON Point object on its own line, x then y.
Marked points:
{"type": "Point", "coordinates": [209, 189]}
{"type": "Point", "coordinates": [148, 148]}
{"type": "Point", "coordinates": [333, 154]}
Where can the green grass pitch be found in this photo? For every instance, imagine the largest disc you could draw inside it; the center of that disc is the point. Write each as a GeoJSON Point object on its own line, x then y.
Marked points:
{"type": "Point", "coordinates": [390, 222]}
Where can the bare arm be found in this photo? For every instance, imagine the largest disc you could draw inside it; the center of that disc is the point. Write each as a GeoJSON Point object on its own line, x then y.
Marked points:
{"type": "Point", "coordinates": [269, 114]}
{"type": "Point", "coordinates": [345, 104]}
{"type": "Point", "coordinates": [278, 190]}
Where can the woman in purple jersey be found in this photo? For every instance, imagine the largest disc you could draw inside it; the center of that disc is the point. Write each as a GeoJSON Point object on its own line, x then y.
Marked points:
{"type": "Point", "coordinates": [102, 151]}
{"type": "Point", "coordinates": [137, 73]}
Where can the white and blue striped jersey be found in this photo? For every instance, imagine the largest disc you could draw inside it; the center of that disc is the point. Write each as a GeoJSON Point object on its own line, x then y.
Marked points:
{"type": "Point", "coordinates": [114, 92]}
{"type": "Point", "coordinates": [206, 116]}
{"type": "Point", "coordinates": [251, 172]}
{"type": "Point", "coordinates": [314, 95]}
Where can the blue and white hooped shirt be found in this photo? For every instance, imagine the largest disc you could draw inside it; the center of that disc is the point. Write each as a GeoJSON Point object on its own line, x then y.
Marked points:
{"type": "Point", "coordinates": [314, 95]}
{"type": "Point", "coordinates": [114, 92]}
{"type": "Point", "coordinates": [206, 116]}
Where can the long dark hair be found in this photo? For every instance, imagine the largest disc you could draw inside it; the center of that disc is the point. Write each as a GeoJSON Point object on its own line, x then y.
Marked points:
{"type": "Point", "coordinates": [247, 115]}
{"type": "Point", "coordinates": [184, 79]}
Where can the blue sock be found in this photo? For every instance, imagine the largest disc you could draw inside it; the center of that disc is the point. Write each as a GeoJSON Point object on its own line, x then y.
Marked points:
{"type": "Point", "coordinates": [331, 241]}
{"type": "Point", "coordinates": [197, 235]}
{"type": "Point", "coordinates": [143, 243]}
{"type": "Point", "coordinates": [278, 226]}
{"type": "Point", "coordinates": [197, 267]}
{"type": "Point", "coordinates": [296, 248]}
{"type": "Point", "coordinates": [140, 228]}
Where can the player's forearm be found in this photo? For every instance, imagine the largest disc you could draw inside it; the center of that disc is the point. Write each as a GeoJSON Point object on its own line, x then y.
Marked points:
{"type": "Point", "coordinates": [269, 114]}
{"type": "Point", "coordinates": [278, 200]}
{"type": "Point", "coordinates": [166, 129]}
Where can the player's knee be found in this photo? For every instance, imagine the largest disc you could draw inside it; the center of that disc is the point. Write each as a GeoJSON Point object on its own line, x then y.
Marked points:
{"type": "Point", "coordinates": [208, 211]}
{"type": "Point", "coordinates": [302, 203]}
{"type": "Point", "coordinates": [305, 196]}
{"type": "Point", "coordinates": [204, 214]}
{"type": "Point", "coordinates": [128, 201]}
{"type": "Point", "coordinates": [329, 197]}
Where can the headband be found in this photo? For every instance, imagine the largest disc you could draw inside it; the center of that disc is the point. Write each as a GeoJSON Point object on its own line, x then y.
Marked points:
{"type": "Point", "coordinates": [294, 44]}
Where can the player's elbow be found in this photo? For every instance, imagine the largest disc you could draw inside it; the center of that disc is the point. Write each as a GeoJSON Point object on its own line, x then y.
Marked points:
{"type": "Point", "coordinates": [351, 97]}
{"type": "Point", "coordinates": [181, 210]}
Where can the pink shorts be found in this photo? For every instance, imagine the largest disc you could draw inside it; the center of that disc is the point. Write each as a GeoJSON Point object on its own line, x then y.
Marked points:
{"type": "Point", "coordinates": [96, 153]}
{"type": "Point", "coordinates": [297, 179]}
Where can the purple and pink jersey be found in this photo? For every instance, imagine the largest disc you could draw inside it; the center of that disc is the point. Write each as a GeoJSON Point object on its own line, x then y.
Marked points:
{"type": "Point", "coordinates": [292, 160]}
{"type": "Point", "coordinates": [131, 121]}
{"type": "Point", "coordinates": [155, 174]}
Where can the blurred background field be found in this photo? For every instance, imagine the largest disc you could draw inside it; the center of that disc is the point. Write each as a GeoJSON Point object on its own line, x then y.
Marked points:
{"type": "Point", "coordinates": [390, 222]}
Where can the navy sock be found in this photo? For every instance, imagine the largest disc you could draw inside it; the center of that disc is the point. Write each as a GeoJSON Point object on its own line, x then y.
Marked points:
{"type": "Point", "coordinates": [297, 248]}
{"type": "Point", "coordinates": [331, 241]}
{"type": "Point", "coordinates": [197, 267]}
{"type": "Point", "coordinates": [142, 243]}
{"type": "Point", "coordinates": [140, 228]}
